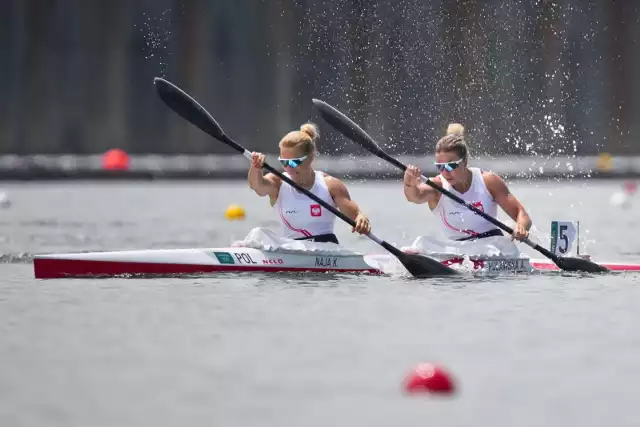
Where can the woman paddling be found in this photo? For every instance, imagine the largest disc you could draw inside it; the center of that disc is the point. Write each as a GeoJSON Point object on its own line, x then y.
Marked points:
{"type": "Point", "coordinates": [484, 190]}
{"type": "Point", "coordinates": [301, 217]}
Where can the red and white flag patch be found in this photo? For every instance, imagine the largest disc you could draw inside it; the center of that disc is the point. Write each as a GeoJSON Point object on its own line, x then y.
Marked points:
{"type": "Point", "coordinates": [316, 210]}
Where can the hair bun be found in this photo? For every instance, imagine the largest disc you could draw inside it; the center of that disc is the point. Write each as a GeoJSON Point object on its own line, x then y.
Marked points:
{"type": "Point", "coordinates": [310, 129]}
{"type": "Point", "coordinates": [455, 129]}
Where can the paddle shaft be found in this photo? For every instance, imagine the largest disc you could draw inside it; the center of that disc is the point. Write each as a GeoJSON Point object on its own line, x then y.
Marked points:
{"type": "Point", "coordinates": [468, 205]}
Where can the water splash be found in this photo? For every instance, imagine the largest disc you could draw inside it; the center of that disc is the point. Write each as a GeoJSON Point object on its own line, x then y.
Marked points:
{"type": "Point", "coordinates": [156, 31]}
{"type": "Point", "coordinates": [511, 71]}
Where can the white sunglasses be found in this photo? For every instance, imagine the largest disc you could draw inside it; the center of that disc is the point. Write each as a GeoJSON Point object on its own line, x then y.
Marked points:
{"type": "Point", "coordinates": [449, 166]}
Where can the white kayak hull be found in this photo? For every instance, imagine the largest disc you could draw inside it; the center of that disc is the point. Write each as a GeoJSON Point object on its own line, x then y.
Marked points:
{"type": "Point", "coordinates": [175, 262]}
{"type": "Point", "coordinates": [193, 261]}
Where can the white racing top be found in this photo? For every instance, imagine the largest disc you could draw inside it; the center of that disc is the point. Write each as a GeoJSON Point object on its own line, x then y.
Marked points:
{"type": "Point", "coordinates": [301, 216]}
{"type": "Point", "coordinates": [455, 220]}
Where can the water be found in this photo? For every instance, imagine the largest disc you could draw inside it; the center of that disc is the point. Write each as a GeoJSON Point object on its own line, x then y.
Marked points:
{"type": "Point", "coordinates": [263, 350]}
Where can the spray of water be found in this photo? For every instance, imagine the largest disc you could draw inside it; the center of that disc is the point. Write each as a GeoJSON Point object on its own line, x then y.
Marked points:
{"type": "Point", "coordinates": [526, 78]}
{"type": "Point", "coordinates": [511, 71]}
{"type": "Point", "coordinates": [156, 31]}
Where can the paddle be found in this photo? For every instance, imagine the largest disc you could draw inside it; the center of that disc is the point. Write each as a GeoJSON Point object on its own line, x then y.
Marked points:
{"type": "Point", "coordinates": [189, 109]}
{"type": "Point", "coordinates": [352, 131]}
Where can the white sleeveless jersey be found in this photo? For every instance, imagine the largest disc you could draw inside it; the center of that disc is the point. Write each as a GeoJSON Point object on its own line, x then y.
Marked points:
{"type": "Point", "coordinates": [456, 221]}
{"type": "Point", "coordinates": [301, 216]}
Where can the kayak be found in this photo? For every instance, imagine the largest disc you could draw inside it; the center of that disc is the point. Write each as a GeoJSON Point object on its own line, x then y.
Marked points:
{"type": "Point", "coordinates": [176, 262]}
{"type": "Point", "coordinates": [195, 261]}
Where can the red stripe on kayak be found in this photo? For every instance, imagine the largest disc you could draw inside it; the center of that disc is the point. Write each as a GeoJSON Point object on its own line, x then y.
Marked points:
{"type": "Point", "coordinates": [542, 265]}
{"type": "Point", "coordinates": [60, 268]}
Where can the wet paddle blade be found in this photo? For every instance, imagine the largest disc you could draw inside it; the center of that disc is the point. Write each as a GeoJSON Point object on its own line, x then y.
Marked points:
{"type": "Point", "coordinates": [351, 130]}
{"type": "Point", "coordinates": [419, 265]}
{"type": "Point", "coordinates": [423, 267]}
{"type": "Point", "coordinates": [346, 126]}
{"type": "Point", "coordinates": [579, 264]}
{"type": "Point", "coordinates": [188, 108]}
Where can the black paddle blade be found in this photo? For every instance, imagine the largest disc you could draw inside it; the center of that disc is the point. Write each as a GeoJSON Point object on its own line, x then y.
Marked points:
{"type": "Point", "coordinates": [351, 130]}
{"type": "Point", "coordinates": [346, 126]}
{"type": "Point", "coordinates": [579, 264]}
{"type": "Point", "coordinates": [419, 265]}
{"type": "Point", "coordinates": [423, 267]}
{"type": "Point", "coordinates": [188, 108]}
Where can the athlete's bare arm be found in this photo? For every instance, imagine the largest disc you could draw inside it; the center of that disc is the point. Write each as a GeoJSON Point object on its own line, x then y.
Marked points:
{"type": "Point", "coordinates": [509, 203]}
{"type": "Point", "coordinates": [263, 185]}
{"type": "Point", "coordinates": [342, 199]}
{"type": "Point", "coordinates": [418, 192]}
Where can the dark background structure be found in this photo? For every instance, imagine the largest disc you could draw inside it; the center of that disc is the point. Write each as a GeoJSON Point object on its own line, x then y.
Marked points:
{"type": "Point", "coordinates": [525, 76]}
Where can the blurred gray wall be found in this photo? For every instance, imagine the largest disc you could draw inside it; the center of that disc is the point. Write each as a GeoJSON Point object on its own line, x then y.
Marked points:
{"type": "Point", "coordinates": [525, 77]}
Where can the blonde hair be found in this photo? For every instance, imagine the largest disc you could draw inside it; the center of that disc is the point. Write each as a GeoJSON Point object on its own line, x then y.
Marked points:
{"type": "Point", "coordinates": [453, 141]}
{"type": "Point", "coordinates": [303, 139]}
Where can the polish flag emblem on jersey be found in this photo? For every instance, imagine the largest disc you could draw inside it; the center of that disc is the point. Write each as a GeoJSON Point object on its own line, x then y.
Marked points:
{"type": "Point", "coordinates": [478, 205]}
{"type": "Point", "coordinates": [316, 210]}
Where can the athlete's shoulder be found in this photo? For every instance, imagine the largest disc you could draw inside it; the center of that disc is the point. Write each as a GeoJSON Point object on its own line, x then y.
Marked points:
{"type": "Point", "coordinates": [336, 187]}
{"type": "Point", "coordinates": [494, 183]}
{"type": "Point", "coordinates": [490, 176]}
{"type": "Point", "coordinates": [330, 179]}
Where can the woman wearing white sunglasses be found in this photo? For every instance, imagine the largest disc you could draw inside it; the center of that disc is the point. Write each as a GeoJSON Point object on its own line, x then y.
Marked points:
{"type": "Point", "coordinates": [484, 190]}
{"type": "Point", "coordinates": [301, 217]}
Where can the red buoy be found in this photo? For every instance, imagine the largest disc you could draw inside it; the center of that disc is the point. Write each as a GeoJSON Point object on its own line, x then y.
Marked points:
{"type": "Point", "coordinates": [427, 377]}
{"type": "Point", "coordinates": [115, 159]}
{"type": "Point", "coordinates": [630, 187]}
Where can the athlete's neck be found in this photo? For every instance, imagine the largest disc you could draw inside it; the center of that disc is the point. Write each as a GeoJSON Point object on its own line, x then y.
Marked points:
{"type": "Point", "coordinates": [307, 180]}
{"type": "Point", "coordinates": [465, 183]}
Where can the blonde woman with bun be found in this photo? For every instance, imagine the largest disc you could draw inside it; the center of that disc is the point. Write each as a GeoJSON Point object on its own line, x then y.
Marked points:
{"type": "Point", "coordinates": [301, 217]}
{"type": "Point", "coordinates": [484, 190]}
